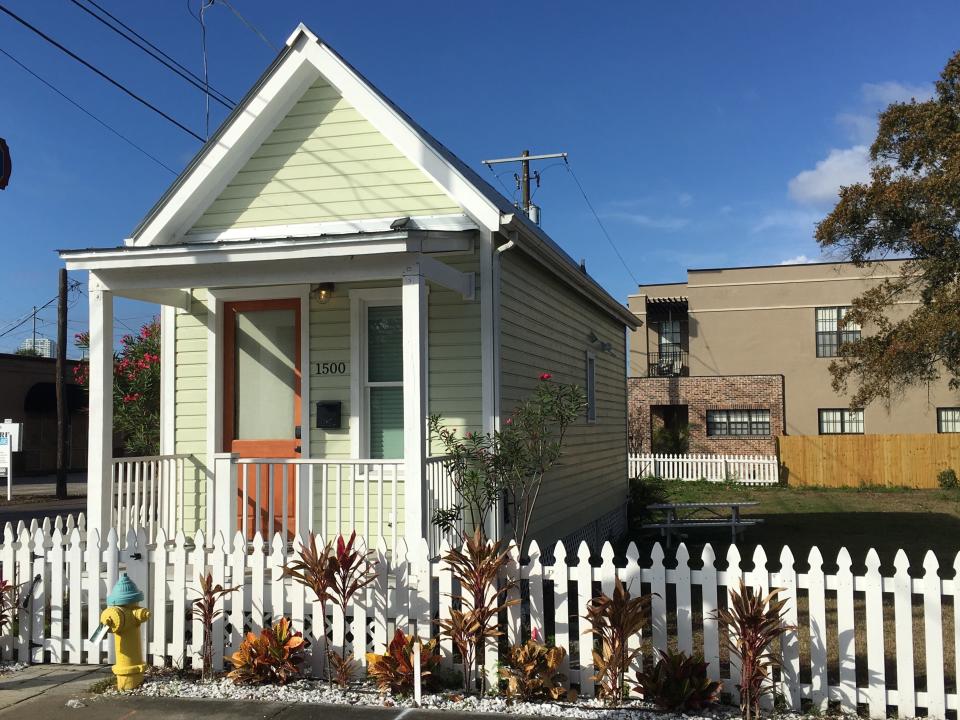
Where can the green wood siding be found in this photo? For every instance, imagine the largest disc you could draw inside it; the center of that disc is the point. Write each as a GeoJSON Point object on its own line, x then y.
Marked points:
{"type": "Point", "coordinates": [545, 327]}
{"type": "Point", "coordinates": [190, 401]}
{"type": "Point", "coordinates": [324, 162]}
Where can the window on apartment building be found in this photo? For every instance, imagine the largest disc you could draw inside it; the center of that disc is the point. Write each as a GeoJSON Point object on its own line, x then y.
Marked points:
{"type": "Point", "coordinates": [832, 331]}
{"type": "Point", "coordinates": [591, 386]}
{"type": "Point", "coordinates": [669, 337]}
{"type": "Point", "coordinates": [840, 421]}
{"type": "Point", "coordinates": [738, 422]}
{"type": "Point", "coordinates": [948, 420]}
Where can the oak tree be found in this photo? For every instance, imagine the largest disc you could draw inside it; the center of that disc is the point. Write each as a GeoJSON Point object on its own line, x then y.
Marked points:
{"type": "Point", "coordinates": [909, 209]}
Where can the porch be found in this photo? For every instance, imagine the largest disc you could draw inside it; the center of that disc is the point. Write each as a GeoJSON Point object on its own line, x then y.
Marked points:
{"type": "Point", "coordinates": [286, 410]}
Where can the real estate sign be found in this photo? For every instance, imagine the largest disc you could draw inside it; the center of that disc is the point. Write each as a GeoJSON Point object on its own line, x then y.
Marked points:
{"type": "Point", "coordinates": [11, 435]}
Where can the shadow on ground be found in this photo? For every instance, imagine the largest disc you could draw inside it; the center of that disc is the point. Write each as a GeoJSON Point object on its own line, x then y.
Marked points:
{"type": "Point", "coordinates": [886, 532]}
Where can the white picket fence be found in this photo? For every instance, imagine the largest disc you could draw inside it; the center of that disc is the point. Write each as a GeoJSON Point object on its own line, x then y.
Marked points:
{"type": "Point", "coordinates": [839, 651]}
{"type": "Point", "coordinates": [749, 469]}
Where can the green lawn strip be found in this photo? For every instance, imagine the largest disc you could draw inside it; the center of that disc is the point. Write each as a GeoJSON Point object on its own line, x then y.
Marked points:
{"type": "Point", "coordinates": [886, 519]}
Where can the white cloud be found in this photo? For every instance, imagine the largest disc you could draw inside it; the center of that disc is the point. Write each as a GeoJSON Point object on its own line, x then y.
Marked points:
{"type": "Point", "coordinates": [884, 93]}
{"type": "Point", "coordinates": [821, 184]}
{"type": "Point", "coordinates": [649, 221]}
{"type": "Point", "coordinates": [797, 260]}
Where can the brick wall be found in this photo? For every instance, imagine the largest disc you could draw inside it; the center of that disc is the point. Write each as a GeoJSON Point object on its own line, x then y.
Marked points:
{"type": "Point", "coordinates": [699, 394]}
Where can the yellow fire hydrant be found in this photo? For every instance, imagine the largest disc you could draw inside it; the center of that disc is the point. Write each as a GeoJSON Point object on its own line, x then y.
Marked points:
{"type": "Point", "coordinates": [123, 617]}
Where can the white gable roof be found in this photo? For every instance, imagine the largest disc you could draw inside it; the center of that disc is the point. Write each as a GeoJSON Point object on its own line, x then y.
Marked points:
{"type": "Point", "coordinates": [304, 59]}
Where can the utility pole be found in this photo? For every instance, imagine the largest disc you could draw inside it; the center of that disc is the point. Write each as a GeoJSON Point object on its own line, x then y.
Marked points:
{"type": "Point", "coordinates": [61, 386]}
{"type": "Point", "coordinates": [34, 346]}
{"type": "Point", "coordinates": [524, 178]}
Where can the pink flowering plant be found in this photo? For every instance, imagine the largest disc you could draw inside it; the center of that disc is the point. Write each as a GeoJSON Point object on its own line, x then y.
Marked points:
{"type": "Point", "coordinates": [136, 387]}
{"type": "Point", "coordinates": [511, 462]}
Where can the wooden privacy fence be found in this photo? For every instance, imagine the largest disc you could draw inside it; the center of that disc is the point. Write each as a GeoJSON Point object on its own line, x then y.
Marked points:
{"type": "Point", "coordinates": [854, 644]}
{"type": "Point", "coordinates": [749, 469]}
{"type": "Point", "coordinates": [855, 460]}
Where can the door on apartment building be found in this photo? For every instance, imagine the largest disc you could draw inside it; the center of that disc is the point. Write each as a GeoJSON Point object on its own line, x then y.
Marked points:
{"type": "Point", "coordinates": [261, 390]}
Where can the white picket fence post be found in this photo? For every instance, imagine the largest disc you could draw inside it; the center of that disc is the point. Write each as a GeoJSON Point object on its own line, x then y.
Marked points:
{"type": "Point", "coordinates": [65, 574]}
{"type": "Point", "coordinates": [747, 469]}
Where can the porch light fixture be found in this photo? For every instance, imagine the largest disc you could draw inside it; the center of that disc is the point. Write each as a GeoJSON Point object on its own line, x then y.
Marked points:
{"type": "Point", "coordinates": [322, 293]}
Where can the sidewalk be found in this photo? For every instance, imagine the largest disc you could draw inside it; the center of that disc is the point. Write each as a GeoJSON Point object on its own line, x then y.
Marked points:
{"type": "Point", "coordinates": [41, 692]}
{"type": "Point", "coordinates": [44, 486]}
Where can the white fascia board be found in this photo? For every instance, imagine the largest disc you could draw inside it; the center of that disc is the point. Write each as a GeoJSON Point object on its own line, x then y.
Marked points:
{"type": "Point", "coordinates": [449, 223]}
{"type": "Point", "coordinates": [279, 272]}
{"type": "Point", "coordinates": [225, 158]}
{"type": "Point", "coordinates": [399, 132]}
{"type": "Point", "coordinates": [268, 250]}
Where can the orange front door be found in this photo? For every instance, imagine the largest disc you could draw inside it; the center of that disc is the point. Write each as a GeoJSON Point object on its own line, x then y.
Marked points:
{"type": "Point", "coordinates": [261, 387]}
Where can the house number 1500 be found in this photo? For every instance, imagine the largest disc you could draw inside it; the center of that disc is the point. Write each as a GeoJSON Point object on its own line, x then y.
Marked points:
{"type": "Point", "coordinates": [330, 368]}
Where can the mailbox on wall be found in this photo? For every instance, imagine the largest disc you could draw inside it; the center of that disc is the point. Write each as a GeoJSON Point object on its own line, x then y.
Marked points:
{"type": "Point", "coordinates": [328, 414]}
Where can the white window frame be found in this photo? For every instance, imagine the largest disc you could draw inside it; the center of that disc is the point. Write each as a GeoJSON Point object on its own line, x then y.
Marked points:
{"type": "Point", "coordinates": [590, 386]}
{"type": "Point", "coordinates": [362, 300]}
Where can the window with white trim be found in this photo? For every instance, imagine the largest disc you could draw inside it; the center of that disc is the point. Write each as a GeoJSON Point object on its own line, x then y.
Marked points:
{"type": "Point", "coordinates": [948, 420]}
{"type": "Point", "coordinates": [591, 388]}
{"type": "Point", "coordinates": [728, 423]}
{"type": "Point", "coordinates": [840, 421]}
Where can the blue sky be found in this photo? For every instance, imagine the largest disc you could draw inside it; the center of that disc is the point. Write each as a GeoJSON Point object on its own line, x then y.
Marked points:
{"type": "Point", "coordinates": [706, 134]}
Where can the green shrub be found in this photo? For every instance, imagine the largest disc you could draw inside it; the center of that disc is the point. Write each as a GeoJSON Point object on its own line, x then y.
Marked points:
{"type": "Point", "coordinates": [644, 492]}
{"type": "Point", "coordinates": [947, 479]}
{"type": "Point", "coordinates": [678, 682]}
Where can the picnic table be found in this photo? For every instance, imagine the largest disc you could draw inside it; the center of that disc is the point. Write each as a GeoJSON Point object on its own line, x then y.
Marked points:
{"type": "Point", "coordinates": [676, 517]}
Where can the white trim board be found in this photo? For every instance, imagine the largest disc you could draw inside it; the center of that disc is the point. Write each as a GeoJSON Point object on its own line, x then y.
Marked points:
{"type": "Point", "coordinates": [360, 300]}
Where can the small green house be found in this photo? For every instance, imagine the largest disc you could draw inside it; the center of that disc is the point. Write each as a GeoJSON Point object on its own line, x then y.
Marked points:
{"type": "Point", "coordinates": [330, 275]}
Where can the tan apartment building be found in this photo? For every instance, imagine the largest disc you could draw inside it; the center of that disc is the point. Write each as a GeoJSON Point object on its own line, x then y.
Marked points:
{"type": "Point", "coordinates": [734, 357]}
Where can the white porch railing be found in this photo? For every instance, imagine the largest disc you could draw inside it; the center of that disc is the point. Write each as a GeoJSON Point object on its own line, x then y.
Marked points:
{"type": "Point", "coordinates": [750, 469]}
{"type": "Point", "coordinates": [441, 495]}
{"type": "Point", "coordinates": [150, 493]}
{"type": "Point", "coordinates": [293, 496]}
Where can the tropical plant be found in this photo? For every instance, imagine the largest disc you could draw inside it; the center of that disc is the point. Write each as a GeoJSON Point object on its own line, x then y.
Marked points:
{"type": "Point", "coordinates": [947, 479]}
{"type": "Point", "coordinates": [478, 568]}
{"type": "Point", "coordinates": [8, 604]}
{"type": "Point", "coordinates": [136, 387]}
{"type": "Point", "coordinates": [512, 461]}
{"type": "Point", "coordinates": [275, 655]}
{"type": "Point", "coordinates": [613, 621]}
{"type": "Point", "coordinates": [908, 208]}
{"type": "Point", "coordinates": [312, 569]}
{"type": "Point", "coordinates": [394, 672]}
{"type": "Point", "coordinates": [532, 671]}
{"type": "Point", "coordinates": [205, 609]}
{"type": "Point", "coordinates": [350, 569]}
{"type": "Point", "coordinates": [753, 623]}
{"type": "Point", "coordinates": [678, 682]}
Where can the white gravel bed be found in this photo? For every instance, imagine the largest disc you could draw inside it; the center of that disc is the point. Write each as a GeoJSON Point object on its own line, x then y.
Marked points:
{"type": "Point", "coordinates": [11, 667]}
{"type": "Point", "coordinates": [313, 691]}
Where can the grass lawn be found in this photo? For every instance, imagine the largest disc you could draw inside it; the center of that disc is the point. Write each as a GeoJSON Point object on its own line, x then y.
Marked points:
{"type": "Point", "coordinates": [831, 518]}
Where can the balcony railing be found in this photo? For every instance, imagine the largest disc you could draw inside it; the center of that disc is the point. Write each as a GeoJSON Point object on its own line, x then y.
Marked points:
{"type": "Point", "coordinates": [672, 363]}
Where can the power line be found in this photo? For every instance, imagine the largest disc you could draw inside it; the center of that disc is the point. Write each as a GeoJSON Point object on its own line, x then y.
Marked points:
{"type": "Point", "coordinates": [600, 223]}
{"type": "Point", "coordinates": [253, 28]}
{"type": "Point", "coordinates": [99, 72]}
{"type": "Point", "coordinates": [157, 55]}
{"type": "Point", "coordinates": [80, 107]}
{"type": "Point", "coordinates": [10, 327]}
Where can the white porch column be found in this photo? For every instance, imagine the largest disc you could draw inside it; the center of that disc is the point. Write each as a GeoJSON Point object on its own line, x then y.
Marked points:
{"type": "Point", "coordinates": [100, 433]}
{"type": "Point", "coordinates": [414, 304]}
